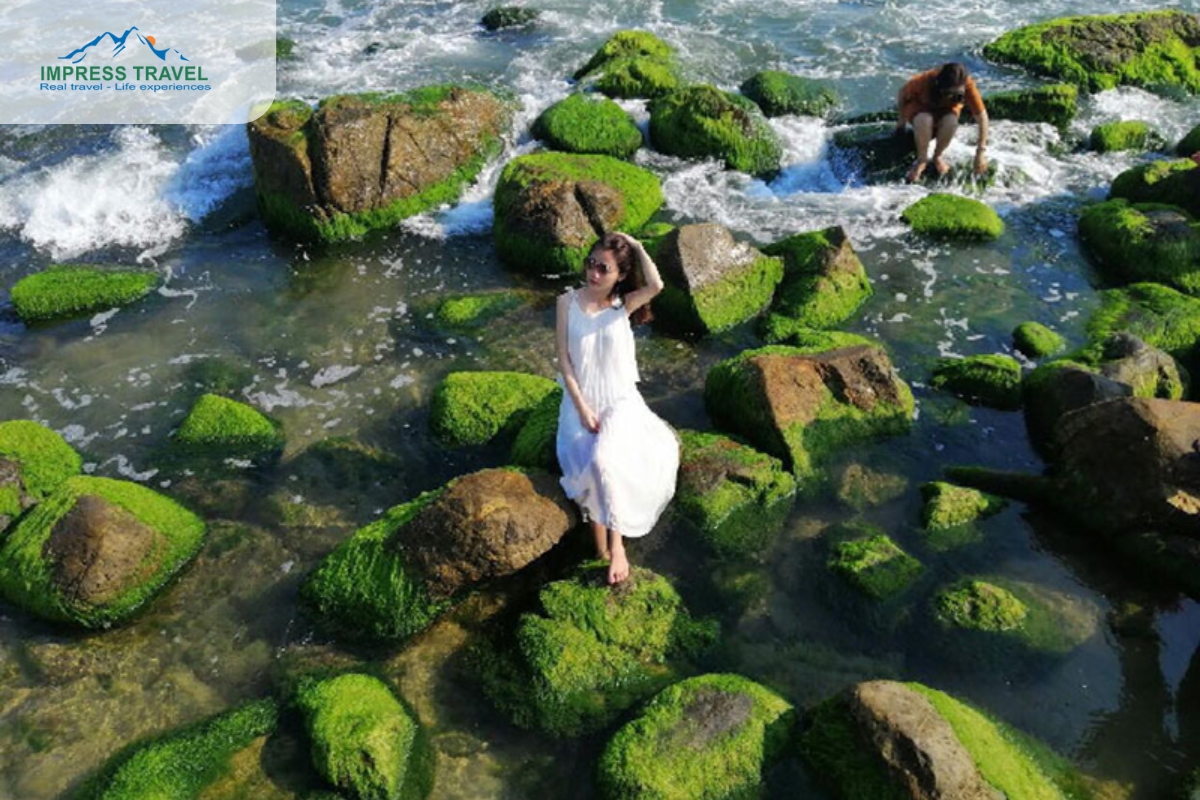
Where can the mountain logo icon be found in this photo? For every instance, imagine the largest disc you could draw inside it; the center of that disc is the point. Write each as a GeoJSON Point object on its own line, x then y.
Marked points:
{"type": "Point", "coordinates": [165, 54]}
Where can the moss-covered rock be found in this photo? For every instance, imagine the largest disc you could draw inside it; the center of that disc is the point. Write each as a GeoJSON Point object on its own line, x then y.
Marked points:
{"type": "Point", "coordinates": [712, 281]}
{"type": "Point", "coordinates": [584, 123]}
{"type": "Point", "coordinates": [1154, 49]}
{"type": "Point", "coordinates": [994, 616]}
{"type": "Point", "coordinates": [1056, 105]}
{"type": "Point", "coordinates": [705, 122]}
{"type": "Point", "coordinates": [536, 443]}
{"type": "Point", "coordinates": [989, 380]}
{"type": "Point", "coordinates": [509, 17]}
{"type": "Point", "coordinates": [96, 551]}
{"type": "Point", "coordinates": [1174, 183]}
{"type": "Point", "coordinates": [875, 565]}
{"type": "Point", "coordinates": [223, 428]}
{"type": "Point", "coordinates": [284, 47]}
{"type": "Point", "coordinates": [790, 403]}
{"type": "Point", "coordinates": [632, 64]}
{"type": "Point", "coordinates": [1035, 340]}
{"type": "Point", "coordinates": [705, 738]}
{"type": "Point", "coordinates": [470, 408]}
{"type": "Point", "coordinates": [183, 763]}
{"type": "Point", "coordinates": [1189, 144]}
{"type": "Point", "coordinates": [43, 457]}
{"type": "Point", "coordinates": [948, 506]}
{"type": "Point", "coordinates": [1112, 137]}
{"type": "Point", "coordinates": [364, 741]}
{"type": "Point", "coordinates": [872, 153]}
{"type": "Point", "coordinates": [948, 216]}
{"type": "Point", "coordinates": [1143, 242]}
{"type": "Point", "coordinates": [779, 329]}
{"type": "Point", "coordinates": [737, 497]}
{"type": "Point", "coordinates": [1146, 370]}
{"type": "Point", "coordinates": [363, 162]}
{"type": "Point", "coordinates": [861, 487]}
{"type": "Point", "coordinates": [592, 652]}
{"type": "Point", "coordinates": [542, 224]}
{"type": "Point", "coordinates": [1158, 315]}
{"type": "Point", "coordinates": [980, 606]}
{"type": "Point", "coordinates": [778, 93]}
{"type": "Point", "coordinates": [70, 290]}
{"type": "Point", "coordinates": [824, 282]}
{"type": "Point", "coordinates": [473, 311]}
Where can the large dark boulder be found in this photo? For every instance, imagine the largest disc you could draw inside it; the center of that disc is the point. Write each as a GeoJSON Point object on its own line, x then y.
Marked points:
{"type": "Point", "coordinates": [366, 161]}
{"type": "Point", "coordinates": [1058, 388]}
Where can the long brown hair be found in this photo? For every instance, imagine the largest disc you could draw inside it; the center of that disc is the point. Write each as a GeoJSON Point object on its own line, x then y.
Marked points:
{"type": "Point", "coordinates": [629, 270]}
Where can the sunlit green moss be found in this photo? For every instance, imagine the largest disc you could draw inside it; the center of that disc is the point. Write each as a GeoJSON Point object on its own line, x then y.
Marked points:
{"type": "Point", "coordinates": [1122, 135]}
{"type": "Point", "coordinates": [876, 565]}
{"type": "Point", "coordinates": [1053, 104]}
{"type": "Point", "coordinates": [990, 380]}
{"type": "Point", "coordinates": [222, 427]}
{"type": "Point", "coordinates": [817, 291]}
{"type": "Point", "coordinates": [73, 290]}
{"type": "Point", "coordinates": [585, 124]}
{"type": "Point", "coordinates": [633, 64]}
{"type": "Point", "coordinates": [948, 216]}
{"type": "Point", "coordinates": [704, 122]}
{"type": "Point", "coordinates": [470, 408]}
{"type": "Point", "coordinates": [536, 442]}
{"type": "Point", "coordinates": [1143, 242]}
{"type": "Point", "coordinates": [45, 458]}
{"type": "Point", "coordinates": [948, 506]}
{"type": "Point", "coordinates": [778, 93]}
{"type": "Point", "coordinates": [1035, 340]}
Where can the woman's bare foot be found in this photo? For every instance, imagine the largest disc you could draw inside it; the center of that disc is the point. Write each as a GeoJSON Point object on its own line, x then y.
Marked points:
{"type": "Point", "coordinates": [941, 166]}
{"type": "Point", "coordinates": [618, 567]}
{"type": "Point", "coordinates": [914, 174]}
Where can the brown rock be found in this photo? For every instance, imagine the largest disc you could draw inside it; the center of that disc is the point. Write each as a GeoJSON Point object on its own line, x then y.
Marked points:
{"type": "Point", "coordinates": [917, 744]}
{"type": "Point", "coordinates": [709, 715]}
{"type": "Point", "coordinates": [1146, 370]}
{"type": "Point", "coordinates": [99, 550]}
{"type": "Point", "coordinates": [486, 525]}
{"type": "Point", "coordinates": [566, 214]}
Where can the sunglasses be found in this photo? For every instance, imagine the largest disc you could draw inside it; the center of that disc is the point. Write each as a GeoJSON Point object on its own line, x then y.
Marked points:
{"type": "Point", "coordinates": [954, 95]}
{"type": "Point", "coordinates": [596, 265]}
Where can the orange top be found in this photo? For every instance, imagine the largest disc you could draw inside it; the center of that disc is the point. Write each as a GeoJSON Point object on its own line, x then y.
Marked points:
{"type": "Point", "coordinates": [920, 94]}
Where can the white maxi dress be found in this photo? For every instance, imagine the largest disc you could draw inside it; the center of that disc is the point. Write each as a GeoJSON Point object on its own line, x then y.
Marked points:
{"type": "Point", "coordinates": [623, 476]}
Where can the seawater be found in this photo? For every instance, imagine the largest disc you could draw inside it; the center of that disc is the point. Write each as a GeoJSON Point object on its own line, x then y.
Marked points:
{"type": "Point", "coordinates": [332, 342]}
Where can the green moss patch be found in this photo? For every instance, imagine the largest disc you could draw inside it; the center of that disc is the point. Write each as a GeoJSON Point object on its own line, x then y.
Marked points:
{"type": "Point", "coordinates": [994, 617]}
{"type": "Point", "coordinates": [470, 408]}
{"type": "Point", "coordinates": [28, 578]}
{"type": "Point", "coordinates": [1143, 242]}
{"type": "Point", "coordinates": [364, 590]}
{"type": "Point", "coordinates": [1035, 340]}
{"type": "Point", "coordinates": [1174, 183]}
{"type": "Point", "coordinates": [1158, 315]}
{"type": "Point", "coordinates": [705, 738]}
{"type": "Point", "coordinates": [980, 606]}
{"type": "Point", "coordinates": [1112, 137]}
{"type": "Point", "coordinates": [990, 380]}
{"type": "Point", "coordinates": [704, 122]}
{"type": "Point", "coordinates": [1056, 105]}
{"type": "Point", "coordinates": [75, 290]}
{"type": "Point", "coordinates": [948, 216]}
{"type": "Point", "coordinates": [632, 64]}
{"type": "Point", "coordinates": [593, 651]}
{"type": "Point", "coordinates": [737, 497]}
{"type": "Point", "coordinates": [585, 124]}
{"type": "Point", "coordinates": [948, 506]}
{"type": "Point", "coordinates": [181, 764]}
{"type": "Point", "coordinates": [875, 565]}
{"type": "Point", "coordinates": [824, 282]}
{"type": "Point", "coordinates": [364, 741]}
{"type": "Point", "coordinates": [474, 311]}
{"type": "Point", "coordinates": [739, 292]}
{"type": "Point", "coordinates": [225, 428]}
{"type": "Point", "coordinates": [841, 758]}
{"type": "Point", "coordinates": [778, 93]}
{"type": "Point", "coordinates": [45, 458]}
{"type": "Point", "coordinates": [536, 444]}
{"type": "Point", "coordinates": [1103, 52]}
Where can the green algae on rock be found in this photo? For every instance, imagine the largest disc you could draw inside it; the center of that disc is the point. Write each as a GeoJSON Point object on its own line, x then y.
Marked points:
{"type": "Point", "coordinates": [704, 738]}
{"type": "Point", "coordinates": [536, 443]}
{"type": "Point", "coordinates": [1056, 105]}
{"type": "Point", "coordinates": [223, 428]}
{"type": "Point", "coordinates": [181, 764]}
{"type": "Point", "coordinates": [471, 408]}
{"type": "Point", "coordinates": [1158, 315]}
{"type": "Point", "coordinates": [779, 93]}
{"type": "Point", "coordinates": [96, 551]}
{"type": "Point", "coordinates": [1175, 183]}
{"type": "Point", "coordinates": [875, 565]}
{"type": "Point", "coordinates": [362, 162]}
{"type": "Point", "coordinates": [948, 216]}
{"type": "Point", "coordinates": [584, 123]}
{"type": "Point", "coordinates": [71, 290]}
{"type": "Point", "coordinates": [980, 606]}
{"type": "Point", "coordinates": [1152, 49]}
{"type": "Point", "coordinates": [473, 311]}
{"type": "Point", "coordinates": [736, 497]}
{"type": "Point", "coordinates": [948, 506]}
{"type": "Point", "coordinates": [1035, 340]}
{"type": "Point", "coordinates": [552, 207]}
{"type": "Point", "coordinates": [364, 741]}
{"type": "Point", "coordinates": [43, 457]}
{"type": "Point", "coordinates": [632, 64]}
{"type": "Point", "coordinates": [1143, 242]}
{"type": "Point", "coordinates": [824, 282]}
{"type": "Point", "coordinates": [989, 380]}
{"type": "Point", "coordinates": [593, 652]}
{"type": "Point", "coordinates": [508, 17]}
{"type": "Point", "coordinates": [861, 487]}
{"type": "Point", "coordinates": [705, 122]}
{"type": "Point", "coordinates": [1112, 137]}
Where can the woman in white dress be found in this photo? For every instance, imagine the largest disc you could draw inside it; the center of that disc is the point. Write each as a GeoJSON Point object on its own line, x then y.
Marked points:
{"type": "Point", "coordinates": [618, 458]}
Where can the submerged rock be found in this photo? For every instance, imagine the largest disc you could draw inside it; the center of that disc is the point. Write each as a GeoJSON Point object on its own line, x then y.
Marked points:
{"type": "Point", "coordinates": [948, 216]}
{"type": "Point", "coordinates": [632, 64]}
{"type": "Point", "coordinates": [824, 282]}
{"type": "Point", "coordinates": [1174, 183]}
{"type": "Point", "coordinates": [989, 380]}
{"type": "Point", "coordinates": [1056, 105]}
{"type": "Point", "coordinates": [705, 122]}
{"type": "Point", "coordinates": [801, 406]}
{"type": "Point", "coordinates": [364, 741]}
{"type": "Point", "coordinates": [509, 17]}
{"type": "Point", "coordinates": [779, 93]}
{"type": "Point", "coordinates": [861, 487]}
{"type": "Point", "coordinates": [1143, 242]}
{"type": "Point", "coordinates": [471, 408]}
{"type": "Point", "coordinates": [583, 123]}
{"type": "Point", "coordinates": [948, 506]}
{"type": "Point", "coordinates": [1035, 340]}
{"type": "Point", "coordinates": [361, 162]}
{"type": "Point", "coordinates": [873, 563]}
{"type": "Point", "coordinates": [593, 652]}
{"type": "Point", "coordinates": [705, 738]}
{"type": "Point", "coordinates": [712, 281]}
{"type": "Point", "coordinates": [1124, 135]}
{"type": "Point", "coordinates": [737, 497]}
{"type": "Point", "coordinates": [872, 153]}
{"type": "Point", "coordinates": [96, 551]}
{"type": "Point", "coordinates": [467, 312]}
{"type": "Point", "coordinates": [552, 207]}
{"type": "Point", "coordinates": [1103, 52]}
{"type": "Point", "coordinates": [68, 290]}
